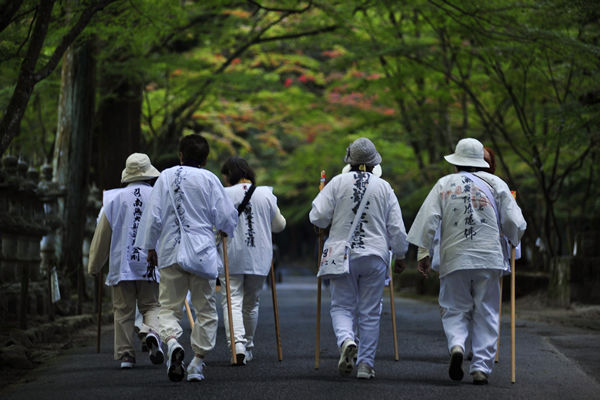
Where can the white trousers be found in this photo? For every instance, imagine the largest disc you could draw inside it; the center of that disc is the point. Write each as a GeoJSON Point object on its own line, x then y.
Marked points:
{"type": "Point", "coordinates": [356, 300]}
{"type": "Point", "coordinates": [126, 294]}
{"type": "Point", "coordinates": [472, 297]}
{"type": "Point", "coordinates": [174, 286]}
{"type": "Point", "coordinates": [245, 297]}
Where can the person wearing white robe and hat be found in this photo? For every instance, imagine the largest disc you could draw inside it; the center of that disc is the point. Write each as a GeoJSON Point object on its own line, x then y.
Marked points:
{"type": "Point", "coordinates": [189, 198]}
{"type": "Point", "coordinates": [128, 275]}
{"type": "Point", "coordinates": [470, 208]}
{"type": "Point", "coordinates": [356, 295]}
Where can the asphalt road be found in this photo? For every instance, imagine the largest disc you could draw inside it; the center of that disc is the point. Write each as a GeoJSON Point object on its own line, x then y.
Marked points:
{"type": "Point", "coordinates": [552, 362]}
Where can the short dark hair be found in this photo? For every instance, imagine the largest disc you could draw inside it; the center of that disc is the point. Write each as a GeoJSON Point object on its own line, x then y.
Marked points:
{"type": "Point", "coordinates": [469, 169]}
{"type": "Point", "coordinates": [236, 169]}
{"type": "Point", "coordinates": [356, 168]}
{"type": "Point", "coordinates": [194, 149]}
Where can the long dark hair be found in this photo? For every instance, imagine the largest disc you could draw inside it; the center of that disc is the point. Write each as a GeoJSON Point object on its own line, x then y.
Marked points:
{"type": "Point", "coordinates": [236, 169]}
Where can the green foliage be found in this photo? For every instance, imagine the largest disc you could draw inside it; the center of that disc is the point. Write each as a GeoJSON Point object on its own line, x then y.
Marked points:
{"type": "Point", "coordinates": [414, 76]}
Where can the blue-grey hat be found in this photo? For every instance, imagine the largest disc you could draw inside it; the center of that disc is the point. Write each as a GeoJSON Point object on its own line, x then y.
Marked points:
{"type": "Point", "coordinates": [362, 151]}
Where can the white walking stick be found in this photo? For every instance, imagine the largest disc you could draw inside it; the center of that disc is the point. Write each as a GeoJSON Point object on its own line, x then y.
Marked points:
{"type": "Point", "coordinates": [228, 290]}
{"type": "Point", "coordinates": [321, 240]}
{"type": "Point", "coordinates": [275, 311]}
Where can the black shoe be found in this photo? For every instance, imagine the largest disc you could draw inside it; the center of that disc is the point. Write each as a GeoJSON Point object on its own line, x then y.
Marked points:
{"type": "Point", "coordinates": [456, 358]}
{"type": "Point", "coordinates": [154, 350]}
{"type": "Point", "coordinates": [479, 378]}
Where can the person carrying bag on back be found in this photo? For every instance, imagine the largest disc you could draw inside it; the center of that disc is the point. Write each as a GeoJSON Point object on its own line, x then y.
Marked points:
{"type": "Point", "coordinates": [186, 205]}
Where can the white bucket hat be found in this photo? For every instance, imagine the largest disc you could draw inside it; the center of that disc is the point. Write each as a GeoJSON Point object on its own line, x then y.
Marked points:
{"type": "Point", "coordinates": [468, 153]}
{"type": "Point", "coordinates": [138, 168]}
{"type": "Point", "coordinates": [362, 151]}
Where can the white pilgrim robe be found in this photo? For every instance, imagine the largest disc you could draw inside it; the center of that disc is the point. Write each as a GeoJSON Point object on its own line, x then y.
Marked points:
{"type": "Point", "coordinates": [380, 229]}
{"type": "Point", "coordinates": [201, 203]}
{"type": "Point", "coordinates": [118, 224]}
{"type": "Point", "coordinates": [469, 228]}
{"type": "Point", "coordinates": [250, 250]}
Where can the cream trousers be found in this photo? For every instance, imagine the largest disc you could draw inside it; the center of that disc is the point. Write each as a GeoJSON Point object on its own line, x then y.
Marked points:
{"type": "Point", "coordinates": [174, 285]}
{"type": "Point", "coordinates": [125, 295]}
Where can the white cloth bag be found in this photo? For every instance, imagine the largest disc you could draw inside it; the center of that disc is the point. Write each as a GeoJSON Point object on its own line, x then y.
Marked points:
{"type": "Point", "coordinates": [194, 254]}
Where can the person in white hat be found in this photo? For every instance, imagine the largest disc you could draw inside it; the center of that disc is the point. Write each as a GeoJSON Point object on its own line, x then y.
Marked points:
{"type": "Point", "coordinates": [356, 295]}
{"type": "Point", "coordinates": [187, 200]}
{"type": "Point", "coordinates": [250, 252]}
{"type": "Point", "coordinates": [128, 275]}
{"type": "Point", "coordinates": [470, 209]}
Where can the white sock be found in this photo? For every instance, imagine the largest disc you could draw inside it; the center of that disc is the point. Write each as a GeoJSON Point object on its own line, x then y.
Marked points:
{"type": "Point", "coordinates": [197, 361]}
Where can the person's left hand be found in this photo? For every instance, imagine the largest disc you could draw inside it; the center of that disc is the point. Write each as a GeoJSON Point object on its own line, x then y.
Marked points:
{"type": "Point", "coordinates": [399, 266]}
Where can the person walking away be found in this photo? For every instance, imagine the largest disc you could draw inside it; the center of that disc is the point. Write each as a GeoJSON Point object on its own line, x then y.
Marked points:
{"type": "Point", "coordinates": [250, 252]}
{"type": "Point", "coordinates": [186, 200]}
{"type": "Point", "coordinates": [356, 295]}
{"type": "Point", "coordinates": [131, 281]}
{"type": "Point", "coordinates": [471, 208]}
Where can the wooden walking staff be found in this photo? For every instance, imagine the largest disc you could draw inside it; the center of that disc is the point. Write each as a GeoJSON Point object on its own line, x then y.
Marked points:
{"type": "Point", "coordinates": [512, 305]}
{"type": "Point", "coordinates": [512, 316]}
{"type": "Point", "coordinates": [276, 311]}
{"type": "Point", "coordinates": [321, 241]}
{"type": "Point", "coordinates": [188, 311]}
{"type": "Point", "coordinates": [228, 290]}
{"type": "Point", "coordinates": [99, 301]}
{"type": "Point", "coordinates": [513, 359]}
{"type": "Point", "coordinates": [396, 356]}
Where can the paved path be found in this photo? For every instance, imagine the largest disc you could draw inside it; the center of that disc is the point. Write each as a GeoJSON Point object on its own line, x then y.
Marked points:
{"type": "Point", "coordinates": [553, 362]}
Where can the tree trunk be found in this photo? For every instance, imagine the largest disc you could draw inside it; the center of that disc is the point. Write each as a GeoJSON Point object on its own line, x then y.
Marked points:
{"type": "Point", "coordinates": [118, 133]}
{"type": "Point", "coordinates": [72, 156]}
{"type": "Point", "coordinates": [13, 114]}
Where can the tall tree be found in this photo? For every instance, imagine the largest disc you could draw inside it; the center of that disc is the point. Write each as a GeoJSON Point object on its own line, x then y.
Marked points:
{"type": "Point", "coordinates": [72, 156]}
{"type": "Point", "coordinates": [30, 73]}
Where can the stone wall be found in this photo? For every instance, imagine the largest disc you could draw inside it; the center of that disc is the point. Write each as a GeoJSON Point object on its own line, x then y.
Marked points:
{"type": "Point", "coordinates": [24, 222]}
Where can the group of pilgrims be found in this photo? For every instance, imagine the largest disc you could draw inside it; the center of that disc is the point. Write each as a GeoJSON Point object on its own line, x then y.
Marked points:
{"type": "Point", "coordinates": [157, 220]}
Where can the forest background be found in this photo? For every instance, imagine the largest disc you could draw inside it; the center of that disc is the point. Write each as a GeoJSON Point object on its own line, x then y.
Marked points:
{"type": "Point", "coordinates": [289, 84]}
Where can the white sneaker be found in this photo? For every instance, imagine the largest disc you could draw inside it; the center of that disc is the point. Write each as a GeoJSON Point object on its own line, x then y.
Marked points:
{"type": "Point", "coordinates": [240, 354]}
{"type": "Point", "coordinates": [157, 356]}
{"type": "Point", "coordinates": [127, 361]}
{"type": "Point", "coordinates": [347, 357]}
{"type": "Point", "coordinates": [195, 371]}
{"type": "Point", "coordinates": [365, 371]}
{"type": "Point", "coordinates": [175, 365]}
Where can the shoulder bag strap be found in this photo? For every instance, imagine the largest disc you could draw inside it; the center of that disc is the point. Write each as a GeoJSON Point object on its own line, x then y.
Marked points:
{"type": "Point", "coordinates": [485, 188]}
{"type": "Point", "coordinates": [246, 200]}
